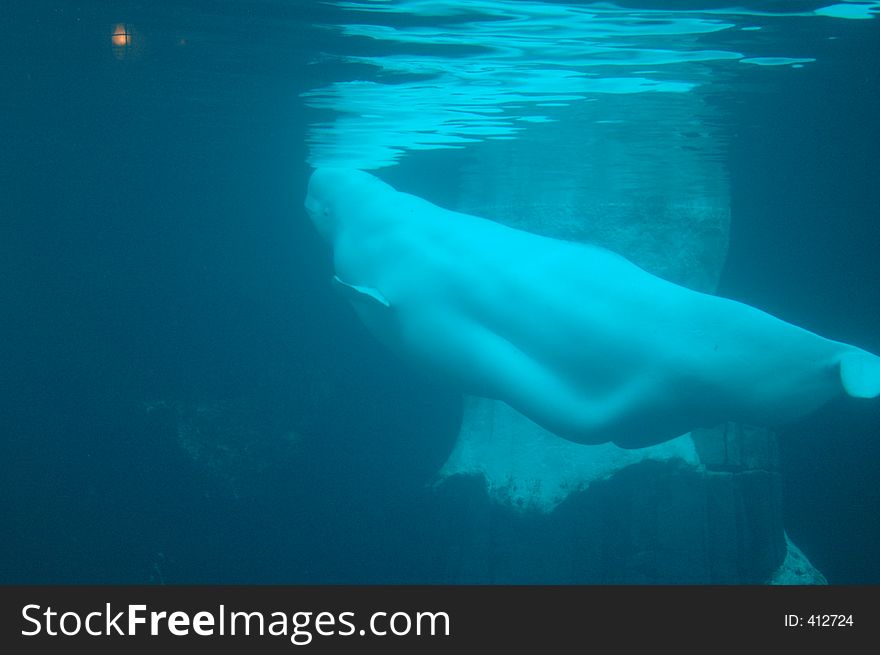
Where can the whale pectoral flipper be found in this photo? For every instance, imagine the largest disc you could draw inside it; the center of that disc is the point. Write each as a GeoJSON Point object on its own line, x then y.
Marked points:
{"type": "Point", "coordinates": [860, 374]}
{"type": "Point", "coordinates": [357, 293]}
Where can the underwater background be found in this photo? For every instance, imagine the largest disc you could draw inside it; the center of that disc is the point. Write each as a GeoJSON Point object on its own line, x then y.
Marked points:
{"type": "Point", "coordinates": [183, 400]}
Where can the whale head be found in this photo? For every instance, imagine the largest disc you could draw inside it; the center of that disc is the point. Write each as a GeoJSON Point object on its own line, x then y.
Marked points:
{"type": "Point", "coordinates": [339, 197]}
{"type": "Point", "coordinates": [320, 202]}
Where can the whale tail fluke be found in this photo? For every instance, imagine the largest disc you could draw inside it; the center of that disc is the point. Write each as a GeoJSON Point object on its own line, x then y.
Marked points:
{"type": "Point", "coordinates": [860, 374]}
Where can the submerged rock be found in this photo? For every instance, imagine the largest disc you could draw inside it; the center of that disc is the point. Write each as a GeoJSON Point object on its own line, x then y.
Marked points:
{"type": "Point", "coordinates": [796, 569]}
{"type": "Point", "coordinates": [668, 521]}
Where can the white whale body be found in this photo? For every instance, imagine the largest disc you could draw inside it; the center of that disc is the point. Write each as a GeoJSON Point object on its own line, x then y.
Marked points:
{"type": "Point", "coordinates": [576, 338]}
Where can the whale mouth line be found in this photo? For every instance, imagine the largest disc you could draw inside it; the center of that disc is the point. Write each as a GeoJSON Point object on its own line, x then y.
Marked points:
{"type": "Point", "coordinates": [312, 206]}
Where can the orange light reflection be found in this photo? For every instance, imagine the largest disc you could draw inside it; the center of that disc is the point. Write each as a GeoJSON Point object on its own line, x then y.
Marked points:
{"type": "Point", "coordinates": [121, 36]}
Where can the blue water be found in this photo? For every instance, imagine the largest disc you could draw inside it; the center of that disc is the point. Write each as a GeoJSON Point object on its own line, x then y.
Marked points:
{"type": "Point", "coordinates": [158, 269]}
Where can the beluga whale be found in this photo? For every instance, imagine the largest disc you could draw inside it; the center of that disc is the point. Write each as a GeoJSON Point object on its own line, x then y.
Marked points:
{"type": "Point", "coordinates": [575, 337]}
